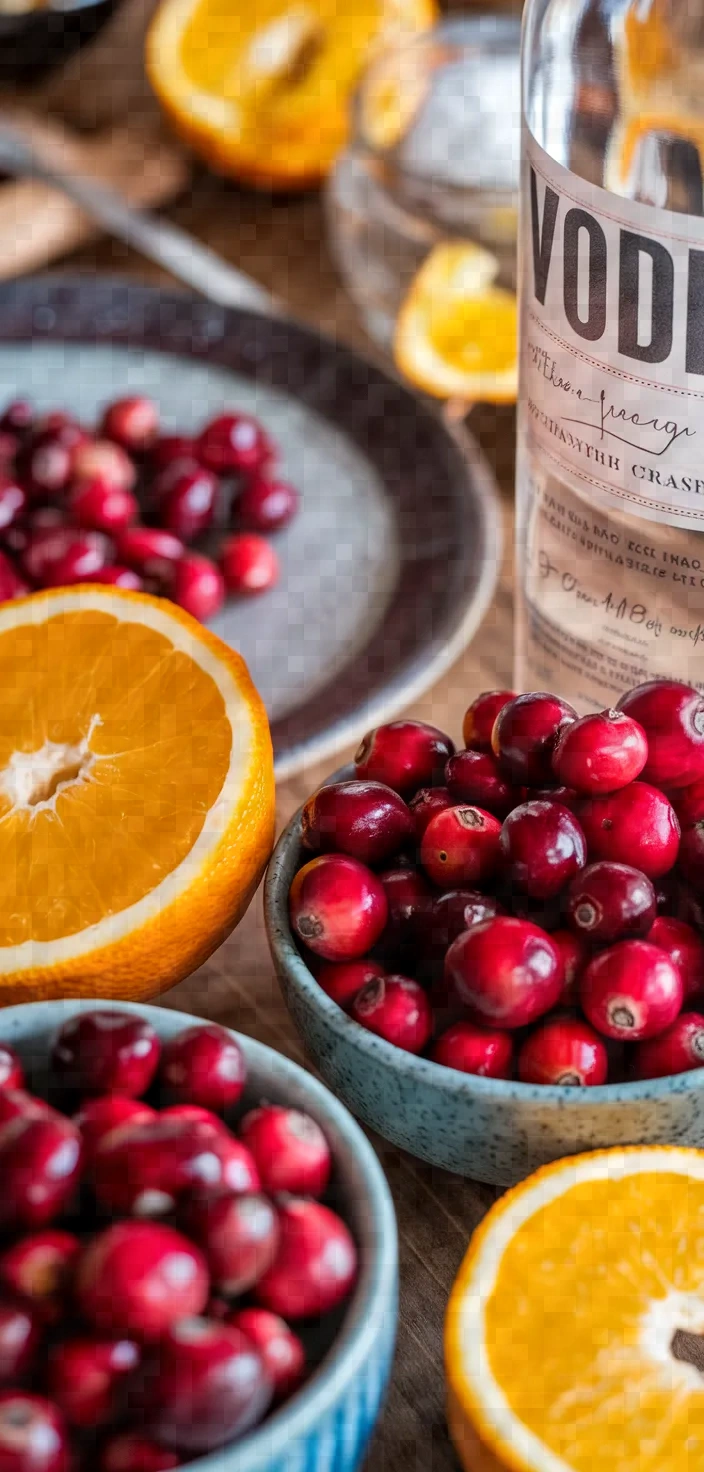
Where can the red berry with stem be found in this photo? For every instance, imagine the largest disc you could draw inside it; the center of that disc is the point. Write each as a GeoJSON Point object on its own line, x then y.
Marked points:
{"type": "Point", "coordinates": [107, 1112]}
{"type": "Point", "coordinates": [186, 494]}
{"type": "Point", "coordinates": [103, 461]}
{"type": "Point", "coordinates": [202, 1386]}
{"type": "Point", "coordinates": [631, 991]}
{"type": "Point", "coordinates": [427, 802]}
{"type": "Point", "coordinates": [397, 1010]}
{"type": "Point", "coordinates": [480, 717]}
{"type": "Point", "coordinates": [20, 1338]}
{"type": "Point", "coordinates": [11, 1070]}
{"type": "Point", "coordinates": [204, 1065]}
{"type": "Point", "coordinates": [267, 505]}
{"type": "Point", "coordinates": [13, 499]}
{"type": "Point", "coordinates": [106, 1051]}
{"type": "Point", "coordinates": [472, 1049]}
{"type": "Point", "coordinates": [366, 820]}
{"type": "Point", "coordinates": [677, 1050]}
{"type": "Point", "coordinates": [600, 753]}
{"type": "Point", "coordinates": [40, 1162]}
{"type": "Point", "coordinates": [338, 907]}
{"type": "Point", "coordinates": [609, 902]}
{"type": "Point", "coordinates": [250, 564]}
{"type": "Point", "coordinates": [507, 971]}
{"type": "Point", "coordinates": [138, 1278]}
{"type": "Point", "coordinates": [116, 576]}
{"type": "Point", "coordinates": [636, 826]}
{"type": "Point", "coordinates": [38, 1269]}
{"type": "Point", "coordinates": [85, 1378]}
{"type": "Point", "coordinates": [133, 1453]}
{"type": "Point", "coordinates": [341, 982]}
{"type": "Point", "coordinates": [234, 442]}
{"type": "Point", "coordinates": [574, 954]}
{"type": "Point", "coordinates": [282, 1351]}
{"type": "Point", "coordinates": [239, 1236]}
{"type": "Point", "coordinates": [542, 847]}
{"type": "Point", "coordinates": [146, 1167]}
{"type": "Point", "coordinates": [525, 734]}
{"type": "Point", "coordinates": [151, 552]}
{"type": "Point", "coordinates": [33, 1434]}
{"type": "Point", "coordinates": [132, 422]}
{"type": "Point", "coordinates": [685, 947]}
{"type": "Point", "coordinates": [566, 1051]}
{"type": "Point", "coordinates": [404, 755]}
{"type": "Point", "coordinates": [290, 1149]}
{"type": "Point", "coordinates": [409, 897]}
{"type": "Point", "coordinates": [102, 508]}
{"type": "Point", "coordinates": [461, 846]}
{"type": "Point", "coordinates": [316, 1266]}
{"type": "Point", "coordinates": [476, 777]}
{"type": "Point", "coordinates": [672, 716]}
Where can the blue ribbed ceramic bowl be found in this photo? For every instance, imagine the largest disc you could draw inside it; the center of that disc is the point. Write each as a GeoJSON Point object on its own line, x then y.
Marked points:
{"type": "Point", "coordinates": [326, 1425]}
{"type": "Point", "coordinates": [487, 1129]}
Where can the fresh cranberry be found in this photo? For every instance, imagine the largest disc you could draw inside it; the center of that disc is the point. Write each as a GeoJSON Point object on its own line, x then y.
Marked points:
{"type": "Point", "coordinates": [677, 1050]}
{"type": "Point", "coordinates": [689, 804]}
{"type": "Point", "coordinates": [525, 734]}
{"type": "Point", "coordinates": [168, 448]}
{"type": "Point", "coordinates": [138, 1278]}
{"type": "Point", "coordinates": [507, 971]}
{"type": "Point", "coordinates": [691, 853]}
{"type": "Point", "coordinates": [239, 1236]}
{"type": "Point", "coordinates": [11, 584]}
{"type": "Point", "coordinates": [427, 802]}
{"type": "Point", "coordinates": [409, 897]}
{"type": "Point", "coordinates": [480, 718]}
{"type": "Point", "coordinates": [460, 846]}
{"type": "Point", "coordinates": [316, 1265]}
{"type": "Point", "coordinates": [84, 557]}
{"type": "Point", "coordinates": [574, 955]}
{"type": "Point", "coordinates": [102, 508]}
{"type": "Point", "coordinates": [33, 1435]}
{"type": "Point", "coordinates": [204, 1385]}
{"type": "Point", "coordinates": [101, 460]}
{"type": "Point", "coordinates": [636, 826]}
{"type": "Point", "coordinates": [16, 538]}
{"type": "Point", "coordinates": [13, 499]}
{"type": "Point", "coordinates": [566, 796]}
{"type": "Point", "coordinates": [145, 1167]}
{"type": "Point", "coordinates": [267, 505]}
{"type": "Point", "coordinates": [609, 902]}
{"type": "Point", "coordinates": [45, 462]}
{"type": "Point", "coordinates": [197, 586]}
{"type": "Point", "coordinates": [685, 947]}
{"type": "Point", "coordinates": [631, 991]}
{"type": "Point", "coordinates": [338, 907]}
{"type": "Point", "coordinates": [18, 417]}
{"type": "Point", "coordinates": [282, 1351]}
{"type": "Point", "coordinates": [107, 1112]}
{"type": "Point", "coordinates": [20, 1337]}
{"type": "Point", "coordinates": [16, 1103]}
{"type": "Point", "coordinates": [11, 1070]}
{"type": "Point", "coordinates": [132, 422]}
{"type": "Point", "coordinates": [366, 820]}
{"type": "Point", "coordinates": [234, 442]}
{"type": "Point", "coordinates": [238, 1170]}
{"type": "Point", "coordinates": [134, 1453]}
{"type": "Point", "coordinates": [249, 564]}
{"type": "Point", "coordinates": [563, 1050]}
{"type": "Point", "coordinates": [118, 577]}
{"type": "Point", "coordinates": [450, 914]}
{"type": "Point", "coordinates": [476, 777]}
{"type": "Point", "coordinates": [672, 716]}
{"type": "Point", "coordinates": [290, 1150]}
{"type": "Point", "coordinates": [404, 755]}
{"type": "Point", "coordinates": [9, 445]}
{"type": "Point", "coordinates": [106, 1051]}
{"type": "Point", "coordinates": [600, 753]}
{"type": "Point", "coordinates": [186, 495]}
{"type": "Point", "coordinates": [195, 1114]}
{"type": "Point", "coordinates": [472, 1049]}
{"type": "Point", "coordinates": [63, 548]}
{"type": "Point", "coordinates": [204, 1065]}
{"type": "Point", "coordinates": [38, 1269]}
{"type": "Point", "coordinates": [543, 847]}
{"type": "Point", "coordinates": [341, 982]}
{"type": "Point", "coordinates": [150, 552]}
{"type": "Point", "coordinates": [40, 1161]}
{"type": "Point", "coordinates": [85, 1377]}
{"type": "Point", "coordinates": [396, 1009]}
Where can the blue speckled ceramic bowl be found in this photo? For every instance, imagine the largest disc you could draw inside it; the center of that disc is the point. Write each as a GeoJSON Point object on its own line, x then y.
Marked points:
{"type": "Point", "coordinates": [326, 1425]}
{"type": "Point", "coordinates": [487, 1129]}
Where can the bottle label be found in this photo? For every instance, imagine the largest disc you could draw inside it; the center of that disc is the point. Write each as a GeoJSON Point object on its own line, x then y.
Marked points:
{"type": "Point", "coordinates": [612, 344]}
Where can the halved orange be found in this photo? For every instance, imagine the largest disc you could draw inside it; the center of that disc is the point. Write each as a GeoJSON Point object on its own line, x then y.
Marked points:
{"type": "Point", "coordinates": [262, 93]}
{"type": "Point", "coordinates": [136, 794]}
{"type": "Point", "coordinates": [574, 1337]}
{"type": "Point", "coordinates": [456, 332]}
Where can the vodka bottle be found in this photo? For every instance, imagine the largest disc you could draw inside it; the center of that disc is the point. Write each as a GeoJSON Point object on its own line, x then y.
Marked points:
{"type": "Point", "coordinates": [610, 491]}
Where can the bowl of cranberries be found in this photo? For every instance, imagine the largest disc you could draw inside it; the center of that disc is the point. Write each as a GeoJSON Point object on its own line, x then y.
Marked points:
{"type": "Point", "coordinates": [495, 953]}
{"type": "Point", "coordinates": [197, 1251]}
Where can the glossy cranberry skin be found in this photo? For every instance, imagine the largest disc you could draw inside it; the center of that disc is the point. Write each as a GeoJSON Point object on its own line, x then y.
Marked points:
{"type": "Point", "coordinates": [197, 586]}
{"type": "Point", "coordinates": [46, 461]}
{"type": "Point", "coordinates": [11, 584]}
{"type": "Point", "coordinates": [133, 1453]}
{"type": "Point", "coordinates": [448, 915]}
{"type": "Point", "coordinates": [409, 897]}
{"type": "Point", "coordinates": [677, 1050]}
{"type": "Point", "coordinates": [239, 1236]}
{"type": "Point", "coordinates": [204, 1065]}
{"type": "Point", "coordinates": [267, 505]}
{"type": "Point", "coordinates": [53, 552]}
{"type": "Point", "coordinates": [102, 508]}
{"type": "Point", "coordinates": [566, 796]}
{"type": "Point", "coordinates": [685, 947]}
{"type": "Point", "coordinates": [396, 1009]}
{"type": "Point", "coordinates": [234, 442]}
{"type": "Point", "coordinates": [282, 1351]}
{"type": "Point", "coordinates": [461, 846]}
{"type": "Point", "coordinates": [575, 953]}
{"type": "Point", "coordinates": [691, 854]}
{"type": "Point", "coordinates": [427, 802]}
{"type": "Point", "coordinates": [81, 560]}
{"type": "Point", "coordinates": [150, 552]}
{"type": "Point", "coordinates": [480, 718]}
{"type": "Point", "coordinates": [15, 1103]}
{"type": "Point", "coordinates": [11, 1070]}
{"type": "Point", "coordinates": [116, 576]}
{"type": "Point", "coordinates": [132, 422]}
{"type": "Point", "coordinates": [507, 971]}
{"type": "Point", "coordinates": [101, 460]}
{"type": "Point", "coordinates": [404, 755]}
{"type": "Point", "coordinates": [290, 1150]}
{"type": "Point", "coordinates": [672, 716]}
{"type": "Point", "coordinates": [38, 1269]}
{"type": "Point", "coordinates": [137, 1278]}
{"type": "Point", "coordinates": [542, 848]}
{"type": "Point", "coordinates": [609, 902]}
{"type": "Point", "coordinates": [600, 753]}
{"type": "Point", "coordinates": [85, 1377]}
{"type": "Point", "coordinates": [366, 820]}
{"type": "Point", "coordinates": [13, 499]}
{"type": "Point", "coordinates": [525, 734]}
{"type": "Point", "coordinates": [249, 564]}
{"type": "Point", "coordinates": [565, 1051]}
{"type": "Point", "coordinates": [631, 991]}
{"type": "Point", "coordinates": [99, 1116]}
{"type": "Point", "coordinates": [186, 495]}
{"type": "Point", "coordinates": [145, 1167]}
{"type": "Point", "coordinates": [316, 1265]}
{"type": "Point", "coordinates": [689, 804]}
{"type": "Point", "coordinates": [18, 417]}
{"type": "Point", "coordinates": [33, 1434]}
{"type": "Point", "coordinates": [106, 1051]}
{"type": "Point", "coordinates": [338, 907]}
{"type": "Point", "coordinates": [475, 777]}
{"type": "Point", "coordinates": [203, 1386]}
{"type": "Point", "coordinates": [40, 1162]}
{"type": "Point", "coordinates": [20, 1337]}
{"type": "Point", "coordinates": [472, 1049]}
{"type": "Point", "coordinates": [9, 445]}
{"type": "Point", "coordinates": [341, 982]}
{"type": "Point", "coordinates": [636, 826]}
{"type": "Point", "coordinates": [168, 448]}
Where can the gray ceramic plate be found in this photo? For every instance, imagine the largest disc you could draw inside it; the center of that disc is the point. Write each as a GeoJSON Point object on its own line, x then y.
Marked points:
{"type": "Point", "coordinates": [393, 560]}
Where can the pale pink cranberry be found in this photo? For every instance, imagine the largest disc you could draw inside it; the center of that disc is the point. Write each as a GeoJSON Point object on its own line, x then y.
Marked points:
{"type": "Point", "coordinates": [197, 586]}
{"type": "Point", "coordinates": [204, 1065]}
{"type": "Point", "coordinates": [145, 1167]}
{"type": "Point", "coordinates": [33, 1434]}
{"type": "Point", "coordinates": [13, 499]}
{"type": "Point", "coordinates": [316, 1265]}
{"type": "Point", "coordinates": [341, 982]}
{"type": "Point", "coordinates": [461, 846]}
{"type": "Point", "coordinates": [133, 1453]}
{"type": "Point", "coordinates": [427, 802]}
{"type": "Point", "coordinates": [566, 1051]}
{"type": "Point", "coordinates": [150, 552]}
{"type": "Point", "coordinates": [291, 1152]}
{"type": "Point", "coordinates": [11, 584]}
{"type": "Point", "coordinates": [685, 947]}
{"type": "Point", "coordinates": [631, 991]}
{"type": "Point", "coordinates": [542, 848]}
{"type": "Point", "coordinates": [132, 422]}
{"type": "Point", "coordinates": [18, 417]}
{"type": "Point", "coordinates": [507, 971]}
{"type": "Point", "coordinates": [169, 448]}
{"type": "Point", "coordinates": [138, 1278]}
{"type": "Point", "coordinates": [102, 508]}
{"type": "Point", "coordinates": [20, 1337]}
{"type": "Point", "coordinates": [267, 505]}
{"type": "Point", "coordinates": [239, 1236]}
{"type": "Point", "coordinates": [186, 494]}
{"type": "Point", "coordinates": [53, 552]}
{"type": "Point", "coordinates": [99, 1116]}
{"type": "Point", "coordinates": [282, 1351]}
{"type": "Point", "coordinates": [636, 826]}
{"type": "Point", "coordinates": [475, 777]}
{"type": "Point", "coordinates": [409, 898]}
{"type": "Point", "coordinates": [574, 955]}
{"type": "Point", "coordinates": [338, 907]}
{"type": "Point", "coordinates": [39, 1268]}
{"type": "Point", "coordinates": [250, 564]}
{"type": "Point", "coordinates": [85, 1378]}
{"type": "Point", "coordinates": [118, 577]}
{"type": "Point", "coordinates": [525, 734]}
{"type": "Point", "coordinates": [235, 442]}
{"type": "Point", "coordinates": [672, 715]}
{"type": "Point", "coordinates": [396, 1009]}
{"type": "Point", "coordinates": [101, 460]}
{"type": "Point", "coordinates": [609, 902]}
{"type": "Point", "coordinates": [404, 755]}
{"type": "Point", "coordinates": [203, 1386]}
{"type": "Point", "coordinates": [11, 1070]}
{"type": "Point", "coordinates": [472, 1049]}
{"type": "Point", "coordinates": [600, 753]}
{"type": "Point", "coordinates": [480, 718]}
{"type": "Point", "coordinates": [366, 820]}
{"type": "Point", "coordinates": [40, 1162]}
{"type": "Point", "coordinates": [106, 1051]}
{"type": "Point", "coordinates": [677, 1050]}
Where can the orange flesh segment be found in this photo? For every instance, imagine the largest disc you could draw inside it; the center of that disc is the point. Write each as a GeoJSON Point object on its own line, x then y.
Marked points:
{"type": "Point", "coordinates": [478, 334]}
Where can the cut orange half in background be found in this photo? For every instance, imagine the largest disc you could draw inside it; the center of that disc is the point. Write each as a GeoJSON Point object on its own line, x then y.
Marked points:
{"type": "Point", "coordinates": [262, 92]}
{"type": "Point", "coordinates": [574, 1338]}
{"type": "Point", "coordinates": [136, 794]}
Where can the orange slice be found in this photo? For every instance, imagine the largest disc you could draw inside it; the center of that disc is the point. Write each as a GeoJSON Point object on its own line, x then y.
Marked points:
{"type": "Point", "coordinates": [136, 794]}
{"type": "Point", "coordinates": [648, 44]}
{"type": "Point", "coordinates": [262, 93]}
{"type": "Point", "coordinates": [456, 333]}
{"type": "Point", "coordinates": [574, 1337]}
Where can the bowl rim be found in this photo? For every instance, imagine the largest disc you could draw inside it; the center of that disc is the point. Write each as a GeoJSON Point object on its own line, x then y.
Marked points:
{"type": "Point", "coordinates": [449, 1080]}
{"type": "Point", "coordinates": [355, 1342]}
